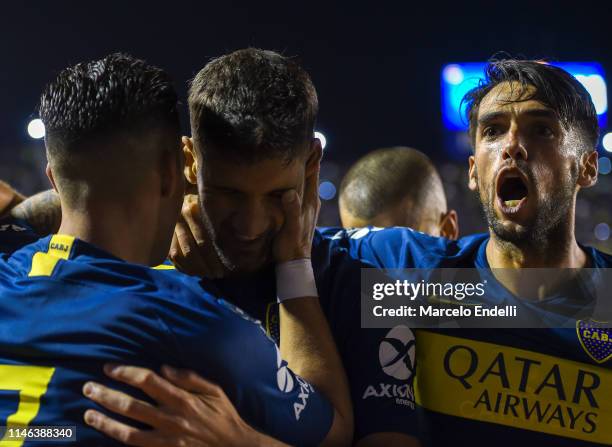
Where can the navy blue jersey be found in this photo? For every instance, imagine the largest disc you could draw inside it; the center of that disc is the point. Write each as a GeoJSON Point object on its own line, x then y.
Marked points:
{"type": "Point", "coordinates": [67, 308]}
{"type": "Point", "coordinates": [383, 398]}
{"type": "Point", "coordinates": [14, 234]}
{"type": "Point", "coordinates": [548, 387]}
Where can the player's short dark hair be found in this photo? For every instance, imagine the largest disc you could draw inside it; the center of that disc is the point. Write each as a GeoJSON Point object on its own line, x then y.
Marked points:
{"type": "Point", "coordinates": [113, 96]}
{"type": "Point", "coordinates": [554, 87]}
{"type": "Point", "coordinates": [252, 105]}
{"type": "Point", "coordinates": [384, 177]}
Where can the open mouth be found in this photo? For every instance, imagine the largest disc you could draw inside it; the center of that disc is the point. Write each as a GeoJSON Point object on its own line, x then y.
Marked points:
{"type": "Point", "coordinates": [512, 191]}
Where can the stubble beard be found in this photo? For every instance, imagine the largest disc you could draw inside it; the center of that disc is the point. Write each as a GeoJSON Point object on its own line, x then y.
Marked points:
{"type": "Point", "coordinates": [225, 260]}
{"type": "Point", "coordinates": [545, 228]}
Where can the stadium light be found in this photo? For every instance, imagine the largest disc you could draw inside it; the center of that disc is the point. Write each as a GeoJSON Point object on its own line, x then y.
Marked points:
{"type": "Point", "coordinates": [606, 142]}
{"type": "Point", "coordinates": [327, 190]}
{"type": "Point", "coordinates": [605, 165]}
{"type": "Point", "coordinates": [453, 74]}
{"type": "Point", "coordinates": [602, 231]}
{"type": "Point", "coordinates": [459, 78]}
{"type": "Point", "coordinates": [596, 86]}
{"type": "Point", "coordinates": [322, 138]}
{"type": "Point", "coordinates": [36, 129]}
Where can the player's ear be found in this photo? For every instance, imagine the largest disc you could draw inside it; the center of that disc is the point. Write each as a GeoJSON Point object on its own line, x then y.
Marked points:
{"type": "Point", "coordinates": [589, 166]}
{"type": "Point", "coordinates": [49, 173]}
{"type": "Point", "coordinates": [449, 225]}
{"type": "Point", "coordinates": [313, 160]}
{"type": "Point", "coordinates": [472, 175]}
{"type": "Point", "coordinates": [191, 163]}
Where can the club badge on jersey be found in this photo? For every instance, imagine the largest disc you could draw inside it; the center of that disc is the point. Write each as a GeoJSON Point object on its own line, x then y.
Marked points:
{"type": "Point", "coordinates": [595, 340]}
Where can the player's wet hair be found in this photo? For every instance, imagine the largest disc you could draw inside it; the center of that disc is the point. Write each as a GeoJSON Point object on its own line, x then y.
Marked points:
{"type": "Point", "coordinates": [553, 87]}
{"type": "Point", "coordinates": [113, 95]}
{"type": "Point", "coordinates": [109, 117]}
{"type": "Point", "coordinates": [252, 105]}
{"type": "Point", "coordinates": [385, 177]}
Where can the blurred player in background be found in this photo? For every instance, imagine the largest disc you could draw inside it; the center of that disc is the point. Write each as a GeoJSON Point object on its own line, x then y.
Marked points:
{"type": "Point", "coordinates": [396, 186]}
{"type": "Point", "coordinates": [76, 300]}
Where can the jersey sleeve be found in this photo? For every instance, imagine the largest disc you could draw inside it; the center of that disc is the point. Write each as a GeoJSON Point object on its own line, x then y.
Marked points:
{"type": "Point", "coordinates": [232, 350]}
{"type": "Point", "coordinates": [389, 248]}
{"type": "Point", "coordinates": [380, 247]}
{"type": "Point", "coordinates": [14, 234]}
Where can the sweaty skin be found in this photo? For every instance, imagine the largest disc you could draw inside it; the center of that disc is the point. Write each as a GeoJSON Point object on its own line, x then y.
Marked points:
{"type": "Point", "coordinates": [527, 139]}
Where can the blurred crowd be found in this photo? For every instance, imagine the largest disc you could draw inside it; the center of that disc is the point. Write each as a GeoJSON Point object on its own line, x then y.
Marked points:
{"type": "Point", "coordinates": [23, 168]}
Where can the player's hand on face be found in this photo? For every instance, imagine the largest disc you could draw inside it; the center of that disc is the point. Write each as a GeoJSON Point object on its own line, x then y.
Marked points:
{"type": "Point", "coordinates": [190, 410]}
{"type": "Point", "coordinates": [294, 240]}
{"type": "Point", "coordinates": [192, 250]}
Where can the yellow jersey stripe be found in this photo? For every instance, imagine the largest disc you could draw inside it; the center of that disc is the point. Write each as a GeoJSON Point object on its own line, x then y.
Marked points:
{"type": "Point", "coordinates": [60, 247]}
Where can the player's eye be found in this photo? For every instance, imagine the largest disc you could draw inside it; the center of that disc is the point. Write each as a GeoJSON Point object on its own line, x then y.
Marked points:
{"type": "Point", "coordinates": [275, 199]}
{"type": "Point", "coordinates": [277, 195]}
{"type": "Point", "coordinates": [544, 131]}
{"type": "Point", "coordinates": [491, 131]}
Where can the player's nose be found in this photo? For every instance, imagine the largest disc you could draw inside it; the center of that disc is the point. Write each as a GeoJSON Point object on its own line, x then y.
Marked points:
{"type": "Point", "coordinates": [513, 146]}
{"type": "Point", "coordinates": [251, 222]}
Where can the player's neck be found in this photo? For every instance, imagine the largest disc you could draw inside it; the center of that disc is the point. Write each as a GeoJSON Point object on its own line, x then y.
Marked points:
{"type": "Point", "coordinates": [554, 261]}
{"type": "Point", "coordinates": [557, 252]}
{"type": "Point", "coordinates": [111, 230]}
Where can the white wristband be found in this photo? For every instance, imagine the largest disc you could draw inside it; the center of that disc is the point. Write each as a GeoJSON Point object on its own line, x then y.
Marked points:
{"type": "Point", "coordinates": [295, 279]}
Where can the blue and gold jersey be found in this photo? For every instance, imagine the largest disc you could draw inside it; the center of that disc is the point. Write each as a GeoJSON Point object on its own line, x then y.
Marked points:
{"type": "Point", "coordinates": [383, 398]}
{"type": "Point", "coordinates": [548, 387]}
{"type": "Point", "coordinates": [67, 308]}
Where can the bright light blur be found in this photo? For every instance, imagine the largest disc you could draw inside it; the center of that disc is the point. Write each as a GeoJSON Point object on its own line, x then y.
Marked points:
{"type": "Point", "coordinates": [327, 190]}
{"type": "Point", "coordinates": [596, 86]}
{"type": "Point", "coordinates": [36, 129]}
{"type": "Point", "coordinates": [322, 138]}
{"type": "Point", "coordinates": [602, 231]}
{"type": "Point", "coordinates": [606, 142]}
{"type": "Point", "coordinates": [453, 74]}
{"type": "Point", "coordinates": [605, 165]}
{"type": "Point", "coordinates": [459, 78]}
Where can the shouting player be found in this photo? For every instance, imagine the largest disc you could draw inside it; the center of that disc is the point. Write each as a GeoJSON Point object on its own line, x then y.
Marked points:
{"type": "Point", "coordinates": [534, 131]}
{"type": "Point", "coordinates": [86, 296]}
{"type": "Point", "coordinates": [396, 186]}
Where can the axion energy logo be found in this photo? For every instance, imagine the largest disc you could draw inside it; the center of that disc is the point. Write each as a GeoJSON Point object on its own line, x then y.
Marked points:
{"type": "Point", "coordinates": [396, 355]}
{"type": "Point", "coordinates": [287, 382]}
{"type": "Point", "coordinates": [515, 387]}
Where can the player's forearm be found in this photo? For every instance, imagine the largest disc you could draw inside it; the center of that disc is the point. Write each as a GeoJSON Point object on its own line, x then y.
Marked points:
{"type": "Point", "coordinates": [9, 198]}
{"type": "Point", "coordinates": [309, 349]}
{"type": "Point", "coordinates": [306, 342]}
{"type": "Point", "coordinates": [42, 212]}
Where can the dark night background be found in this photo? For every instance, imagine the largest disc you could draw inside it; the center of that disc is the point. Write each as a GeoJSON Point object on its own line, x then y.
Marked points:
{"type": "Point", "coordinates": [376, 66]}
